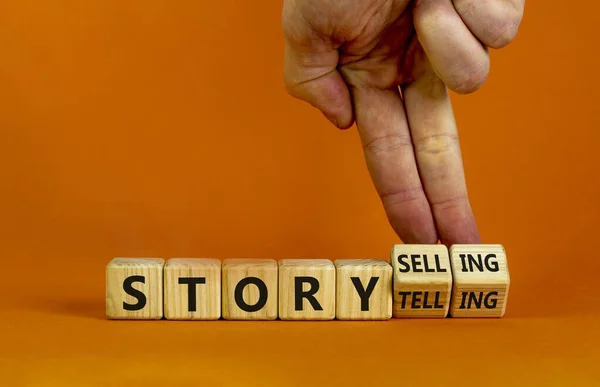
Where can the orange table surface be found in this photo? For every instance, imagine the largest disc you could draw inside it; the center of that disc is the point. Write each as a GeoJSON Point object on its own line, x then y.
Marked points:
{"type": "Point", "coordinates": [54, 332]}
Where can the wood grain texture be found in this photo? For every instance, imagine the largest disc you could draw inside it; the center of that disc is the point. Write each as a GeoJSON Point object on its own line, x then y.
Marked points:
{"type": "Point", "coordinates": [481, 280]}
{"type": "Point", "coordinates": [237, 269]}
{"type": "Point", "coordinates": [207, 305]}
{"type": "Point", "coordinates": [422, 281]}
{"type": "Point", "coordinates": [378, 298]}
{"type": "Point", "coordinates": [119, 269]}
{"type": "Point", "coordinates": [321, 271]}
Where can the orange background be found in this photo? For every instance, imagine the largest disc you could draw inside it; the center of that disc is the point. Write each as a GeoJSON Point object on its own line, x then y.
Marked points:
{"type": "Point", "coordinates": [162, 128]}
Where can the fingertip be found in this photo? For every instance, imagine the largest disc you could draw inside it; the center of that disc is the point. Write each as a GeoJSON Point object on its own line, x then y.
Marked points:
{"type": "Point", "coordinates": [341, 121]}
{"type": "Point", "coordinates": [332, 97]}
{"type": "Point", "coordinates": [504, 35]}
{"type": "Point", "coordinates": [413, 222]}
{"type": "Point", "coordinates": [456, 225]}
{"type": "Point", "coordinates": [471, 79]}
{"type": "Point", "coordinates": [329, 94]}
{"type": "Point", "coordinates": [472, 239]}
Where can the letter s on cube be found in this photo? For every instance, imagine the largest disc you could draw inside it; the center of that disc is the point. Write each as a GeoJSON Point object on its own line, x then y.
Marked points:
{"type": "Point", "coordinates": [134, 288]}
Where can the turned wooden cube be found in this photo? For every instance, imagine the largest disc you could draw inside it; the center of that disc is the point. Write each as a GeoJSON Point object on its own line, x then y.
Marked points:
{"type": "Point", "coordinates": [481, 280]}
{"type": "Point", "coordinates": [192, 289]}
{"type": "Point", "coordinates": [249, 289]}
{"type": "Point", "coordinates": [306, 289]}
{"type": "Point", "coordinates": [363, 289]}
{"type": "Point", "coordinates": [422, 281]}
{"type": "Point", "coordinates": [134, 288]}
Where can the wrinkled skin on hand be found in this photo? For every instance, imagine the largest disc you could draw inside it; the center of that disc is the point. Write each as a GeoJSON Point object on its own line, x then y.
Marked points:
{"type": "Point", "coordinates": [386, 65]}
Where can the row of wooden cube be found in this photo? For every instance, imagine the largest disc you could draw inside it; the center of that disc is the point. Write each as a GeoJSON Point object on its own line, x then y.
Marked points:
{"type": "Point", "coordinates": [422, 281]}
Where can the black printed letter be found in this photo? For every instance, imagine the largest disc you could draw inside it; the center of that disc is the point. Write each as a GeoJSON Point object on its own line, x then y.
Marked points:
{"type": "Point", "coordinates": [191, 283]}
{"type": "Point", "coordinates": [404, 294]}
{"type": "Point", "coordinates": [406, 266]}
{"type": "Point", "coordinates": [309, 294]}
{"type": "Point", "coordinates": [262, 296]}
{"type": "Point", "coordinates": [141, 297]}
{"type": "Point", "coordinates": [364, 294]}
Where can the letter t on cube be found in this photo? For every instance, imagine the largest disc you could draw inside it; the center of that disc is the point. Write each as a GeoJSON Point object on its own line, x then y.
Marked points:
{"type": "Point", "coordinates": [193, 289]}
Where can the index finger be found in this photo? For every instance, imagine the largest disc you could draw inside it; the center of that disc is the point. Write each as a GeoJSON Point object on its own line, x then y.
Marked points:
{"type": "Point", "coordinates": [437, 151]}
{"type": "Point", "coordinates": [385, 137]}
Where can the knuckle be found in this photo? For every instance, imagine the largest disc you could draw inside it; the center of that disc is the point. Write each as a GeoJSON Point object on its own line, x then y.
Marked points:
{"type": "Point", "coordinates": [444, 204]}
{"type": "Point", "coordinates": [470, 79]}
{"type": "Point", "coordinates": [385, 144]}
{"type": "Point", "coordinates": [401, 196]}
{"type": "Point", "coordinates": [467, 8]}
{"type": "Point", "coordinates": [504, 31]}
{"type": "Point", "coordinates": [496, 23]}
{"type": "Point", "coordinates": [436, 144]}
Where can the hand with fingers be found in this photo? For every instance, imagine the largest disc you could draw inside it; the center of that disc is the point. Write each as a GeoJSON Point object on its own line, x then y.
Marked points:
{"type": "Point", "coordinates": [387, 64]}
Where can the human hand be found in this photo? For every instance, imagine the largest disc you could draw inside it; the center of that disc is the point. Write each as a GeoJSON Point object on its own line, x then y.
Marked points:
{"type": "Point", "coordinates": [386, 64]}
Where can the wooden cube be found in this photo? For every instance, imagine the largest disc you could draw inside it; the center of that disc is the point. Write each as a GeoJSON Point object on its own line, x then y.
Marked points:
{"type": "Point", "coordinates": [192, 289]}
{"type": "Point", "coordinates": [481, 280]}
{"type": "Point", "coordinates": [422, 281]}
{"type": "Point", "coordinates": [363, 289]}
{"type": "Point", "coordinates": [306, 289]}
{"type": "Point", "coordinates": [134, 288]}
{"type": "Point", "coordinates": [249, 289]}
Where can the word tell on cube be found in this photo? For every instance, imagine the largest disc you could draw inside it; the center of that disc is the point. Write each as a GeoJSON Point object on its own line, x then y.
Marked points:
{"type": "Point", "coordinates": [422, 280]}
